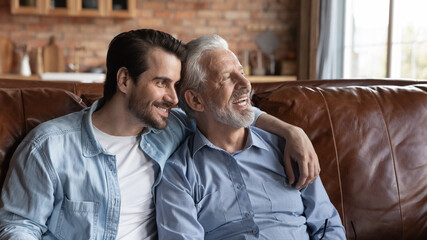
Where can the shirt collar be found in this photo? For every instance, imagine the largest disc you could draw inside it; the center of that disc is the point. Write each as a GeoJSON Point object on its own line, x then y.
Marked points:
{"type": "Point", "coordinates": [253, 140]}
{"type": "Point", "coordinates": [90, 145]}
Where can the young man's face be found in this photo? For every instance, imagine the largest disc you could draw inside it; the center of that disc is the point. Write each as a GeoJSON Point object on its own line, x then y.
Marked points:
{"type": "Point", "coordinates": [154, 94]}
{"type": "Point", "coordinates": [227, 90]}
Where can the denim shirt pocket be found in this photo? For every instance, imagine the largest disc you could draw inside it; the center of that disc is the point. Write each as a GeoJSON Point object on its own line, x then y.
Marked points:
{"type": "Point", "coordinates": [77, 220]}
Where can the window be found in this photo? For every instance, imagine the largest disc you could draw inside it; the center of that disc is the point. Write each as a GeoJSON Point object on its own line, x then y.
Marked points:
{"type": "Point", "coordinates": [385, 38]}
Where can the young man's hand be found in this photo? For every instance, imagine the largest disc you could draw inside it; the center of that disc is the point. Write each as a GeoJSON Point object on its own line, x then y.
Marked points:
{"type": "Point", "coordinates": [299, 150]}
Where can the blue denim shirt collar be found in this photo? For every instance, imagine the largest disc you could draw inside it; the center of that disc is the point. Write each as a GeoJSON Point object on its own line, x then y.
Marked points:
{"type": "Point", "coordinates": [90, 146]}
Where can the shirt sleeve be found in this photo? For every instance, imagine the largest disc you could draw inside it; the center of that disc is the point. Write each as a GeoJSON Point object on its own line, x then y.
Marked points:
{"type": "Point", "coordinates": [26, 196]}
{"type": "Point", "coordinates": [318, 208]}
{"type": "Point", "coordinates": [258, 113]}
{"type": "Point", "coordinates": [176, 212]}
{"type": "Point", "coordinates": [187, 125]}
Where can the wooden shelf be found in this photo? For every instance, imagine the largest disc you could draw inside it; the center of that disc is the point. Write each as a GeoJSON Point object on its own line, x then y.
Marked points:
{"type": "Point", "coordinates": [255, 79]}
{"type": "Point", "coordinates": [19, 77]}
{"type": "Point", "coordinates": [75, 8]}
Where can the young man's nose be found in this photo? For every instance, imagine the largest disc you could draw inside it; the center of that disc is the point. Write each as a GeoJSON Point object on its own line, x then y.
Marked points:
{"type": "Point", "coordinates": [171, 96]}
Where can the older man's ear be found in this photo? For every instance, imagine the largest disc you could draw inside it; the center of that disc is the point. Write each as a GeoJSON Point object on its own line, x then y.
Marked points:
{"type": "Point", "coordinates": [194, 100]}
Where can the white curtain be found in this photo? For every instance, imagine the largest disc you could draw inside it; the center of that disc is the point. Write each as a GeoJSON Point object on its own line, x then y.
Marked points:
{"type": "Point", "coordinates": [330, 50]}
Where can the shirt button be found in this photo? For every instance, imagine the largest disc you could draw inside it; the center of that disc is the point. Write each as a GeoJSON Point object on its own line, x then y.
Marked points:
{"type": "Point", "coordinates": [148, 145]}
{"type": "Point", "coordinates": [254, 231]}
{"type": "Point", "coordinates": [239, 186]}
{"type": "Point", "coordinates": [247, 214]}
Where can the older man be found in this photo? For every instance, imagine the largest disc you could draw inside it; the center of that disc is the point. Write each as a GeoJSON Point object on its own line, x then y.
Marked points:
{"type": "Point", "coordinates": [227, 180]}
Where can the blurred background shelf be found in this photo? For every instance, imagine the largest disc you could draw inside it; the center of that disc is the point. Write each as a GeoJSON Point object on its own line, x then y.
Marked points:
{"type": "Point", "coordinates": [282, 78]}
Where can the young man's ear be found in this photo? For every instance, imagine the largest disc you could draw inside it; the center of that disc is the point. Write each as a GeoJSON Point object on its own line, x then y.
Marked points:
{"type": "Point", "coordinates": [194, 100]}
{"type": "Point", "coordinates": [123, 80]}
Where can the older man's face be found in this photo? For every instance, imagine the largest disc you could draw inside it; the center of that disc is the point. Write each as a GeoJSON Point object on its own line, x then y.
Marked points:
{"type": "Point", "coordinates": [227, 90]}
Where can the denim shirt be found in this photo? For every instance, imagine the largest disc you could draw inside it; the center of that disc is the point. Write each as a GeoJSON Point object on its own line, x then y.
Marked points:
{"type": "Point", "coordinates": [62, 184]}
{"type": "Point", "coordinates": [208, 193]}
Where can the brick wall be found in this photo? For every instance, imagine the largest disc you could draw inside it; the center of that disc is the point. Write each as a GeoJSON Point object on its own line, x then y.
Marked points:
{"type": "Point", "coordinates": [237, 21]}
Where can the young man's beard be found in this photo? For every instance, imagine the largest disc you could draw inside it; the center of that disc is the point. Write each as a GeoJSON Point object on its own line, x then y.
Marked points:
{"type": "Point", "coordinates": [145, 112]}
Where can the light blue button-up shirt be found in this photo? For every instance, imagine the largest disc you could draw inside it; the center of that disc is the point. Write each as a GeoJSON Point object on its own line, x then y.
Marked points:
{"type": "Point", "coordinates": [207, 193]}
{"type": "Point", "coordinates": [62, 184]}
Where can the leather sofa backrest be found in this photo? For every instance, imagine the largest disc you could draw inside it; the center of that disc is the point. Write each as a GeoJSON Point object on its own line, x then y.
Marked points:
{"type": "Point", "coordinates": [89, 92]}
{"type": "Point", "coordinates": [21, 109]}
{"type": "Point", "coordinates": [372, 145]}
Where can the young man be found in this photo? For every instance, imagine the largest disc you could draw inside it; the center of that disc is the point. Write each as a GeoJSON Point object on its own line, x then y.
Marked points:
{"type": "Point", "coordinates": [227, 180]}
{"type": "Point", "coordinates": [90, 174]}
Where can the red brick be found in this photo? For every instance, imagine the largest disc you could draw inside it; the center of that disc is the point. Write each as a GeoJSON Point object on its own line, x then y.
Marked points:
{"type": "Point", "coordinates": [92, 28]}
{"type": "Point", "coordinates": [176, 6]}
{"type": "Point", "coordinates": [25, 19]}
{"type": "Point", "coordinates": [223, 6]}
{"type": "Point", "coordinates": [153, 5]}
{"type": "Point", "coordinates": [54, 20]}
{"type": "Point", "coordinates": [163, 14]}
{"type": "Point", "coordinates": [150, 23]}
{"type": "Point", "coordinates": [250, 5]}
{"type": "Point", "coordinates": [218, 22]}
{"type": "Point", "coordinates": [173, 22]}
{"type": "Point", "coordinates": [209, 14]}
{"type": "Point", "coordinates": [237, 15]}
{"type": "Point", "coordinates": [67, 28]}
{"type": "Point", "coordinates": [144, 13]}
{"type": "Point", "coordinates": [205, 30]}
{"type": "Point", "coordinates": [103, 21]}
{"type": "Point", "coordinates": [230, 31]}
{"type": "Point", "coordinates": [9, 27]}
{"type": "Point", "coordinates": [38, 27]}
{"type": "Point", "coordinates": [195, 22]}
{"type": "Point", "coordinates": [90, 45]}
{"type": "Point", "coordinates": [185, 14]}
{"type": "Point", "coordinates": [200, 6]}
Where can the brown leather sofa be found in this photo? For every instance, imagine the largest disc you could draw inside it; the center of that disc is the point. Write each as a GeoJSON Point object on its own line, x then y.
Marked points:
{"type": "Point", "coordinates": [370, 136]}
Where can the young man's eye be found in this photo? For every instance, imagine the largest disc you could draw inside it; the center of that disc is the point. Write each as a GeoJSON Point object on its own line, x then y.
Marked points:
{"type": "Point", "coordinates": [160, 83]}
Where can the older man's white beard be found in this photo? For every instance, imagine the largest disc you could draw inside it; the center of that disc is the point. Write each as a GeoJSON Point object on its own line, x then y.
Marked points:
{"type": "Point", "coordinates": [231, 117]}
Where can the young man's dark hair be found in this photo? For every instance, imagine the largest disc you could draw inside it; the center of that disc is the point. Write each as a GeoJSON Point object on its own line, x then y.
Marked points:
{"type": "Point", "coordinates": [129, 49]}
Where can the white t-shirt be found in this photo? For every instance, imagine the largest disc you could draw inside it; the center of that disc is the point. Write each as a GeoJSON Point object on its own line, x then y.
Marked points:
{"type": "Point", "coordinates": [136, 174]}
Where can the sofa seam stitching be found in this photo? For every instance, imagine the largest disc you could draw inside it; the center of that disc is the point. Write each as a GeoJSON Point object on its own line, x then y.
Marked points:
{"type": "Point", "coordinates": [393, 155]}
{"type": "Point", "coordinates": [336, 152]}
